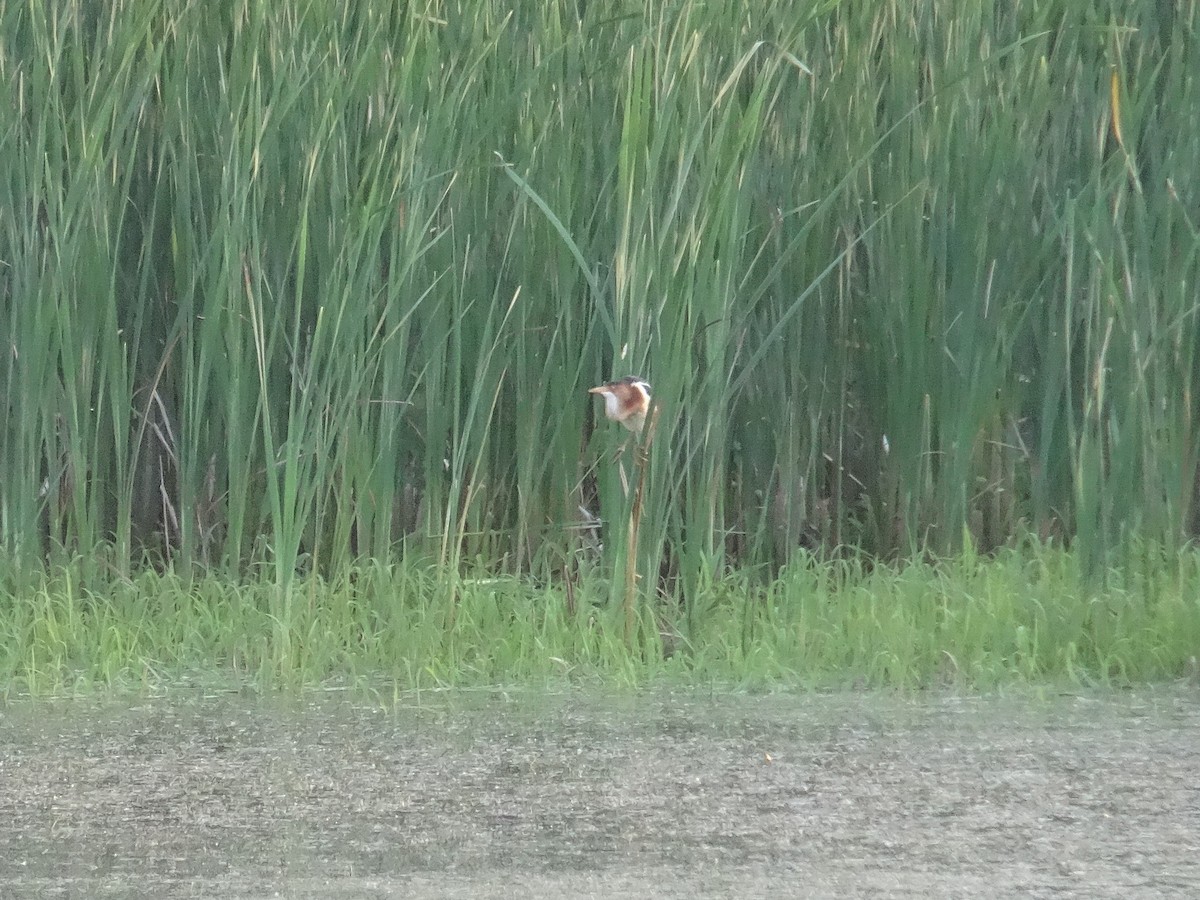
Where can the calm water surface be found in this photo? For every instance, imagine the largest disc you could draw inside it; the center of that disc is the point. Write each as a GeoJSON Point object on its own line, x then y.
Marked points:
{"type": "Point", "coordinates": [666, 795]}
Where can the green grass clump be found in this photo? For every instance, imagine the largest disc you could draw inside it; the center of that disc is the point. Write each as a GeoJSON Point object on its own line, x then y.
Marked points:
{"type": "Point", "coordinates": [1026, 617]}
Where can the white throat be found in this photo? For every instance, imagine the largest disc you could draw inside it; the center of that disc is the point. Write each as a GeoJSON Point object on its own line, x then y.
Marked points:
{"type": "Point", "coordinates": [612, 406]}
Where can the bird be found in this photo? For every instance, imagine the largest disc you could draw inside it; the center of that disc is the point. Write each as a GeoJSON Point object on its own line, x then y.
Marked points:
{"type": "Point", "coordinates": [626, 401]}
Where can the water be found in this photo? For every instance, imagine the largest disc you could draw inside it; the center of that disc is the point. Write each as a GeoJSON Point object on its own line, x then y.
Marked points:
{"type": "Point", "coordinates": [667, 795]}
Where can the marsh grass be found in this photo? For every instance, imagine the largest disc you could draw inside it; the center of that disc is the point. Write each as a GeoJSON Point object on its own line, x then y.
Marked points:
{"type": "Point", "coordinates": [293, 287]}
{"type": "Point", "coordinates": [1024, 617]}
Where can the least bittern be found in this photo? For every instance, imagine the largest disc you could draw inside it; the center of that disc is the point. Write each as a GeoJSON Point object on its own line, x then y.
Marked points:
{"type": "Point", "coordinates": [626, 401]}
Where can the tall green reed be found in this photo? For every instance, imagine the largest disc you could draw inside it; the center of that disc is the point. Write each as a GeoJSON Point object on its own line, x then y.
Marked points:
{"type": "Point", "coordinates": [287, 285]}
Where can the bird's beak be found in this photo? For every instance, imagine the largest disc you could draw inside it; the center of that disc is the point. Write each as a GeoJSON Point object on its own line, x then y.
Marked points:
{"type": "Point", "coordinates": [601, 389]}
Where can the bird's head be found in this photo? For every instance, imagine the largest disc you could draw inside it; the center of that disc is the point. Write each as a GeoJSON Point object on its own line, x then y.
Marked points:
{"type": "Point", "coordinates": [626, 401]}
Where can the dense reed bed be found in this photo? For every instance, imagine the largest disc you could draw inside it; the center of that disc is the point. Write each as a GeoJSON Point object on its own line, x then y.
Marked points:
{"type": "Point", "coordinates": [292, 286]}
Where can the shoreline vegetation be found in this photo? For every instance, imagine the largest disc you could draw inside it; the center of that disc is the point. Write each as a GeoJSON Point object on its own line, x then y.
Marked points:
{"type": "Point", "coordinates": [1025, 616]}
{"type": "Point", "coordinates": [300, 302]}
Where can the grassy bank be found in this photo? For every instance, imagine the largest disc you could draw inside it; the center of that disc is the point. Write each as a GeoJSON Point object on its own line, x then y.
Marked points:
{"type": "Point", "coordinates": [1022, 618]}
